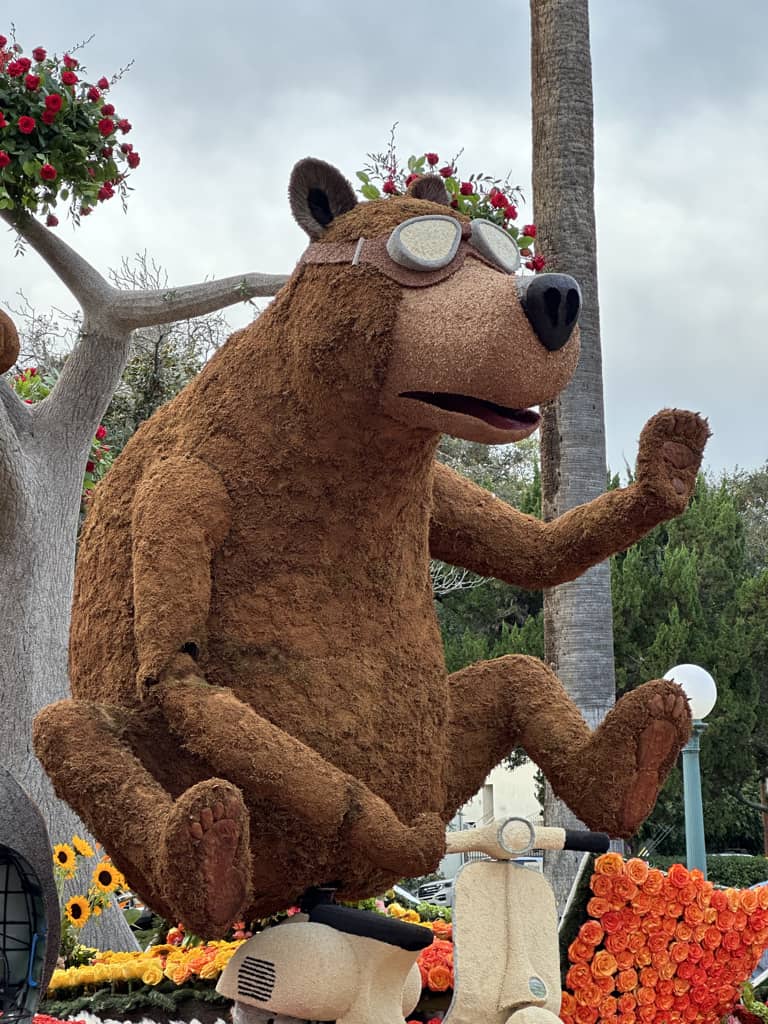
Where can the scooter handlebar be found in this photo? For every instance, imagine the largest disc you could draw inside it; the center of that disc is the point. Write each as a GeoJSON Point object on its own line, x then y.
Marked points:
{"type": "Point", "coordinates": [513, 837]}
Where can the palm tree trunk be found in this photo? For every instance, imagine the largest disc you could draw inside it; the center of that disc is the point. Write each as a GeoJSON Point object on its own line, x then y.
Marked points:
{"type": "Point", "coordinates": [578, 625]}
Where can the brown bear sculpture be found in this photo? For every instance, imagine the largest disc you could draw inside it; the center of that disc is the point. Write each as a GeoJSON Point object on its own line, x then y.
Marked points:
{"type": "Point", "coordinates": [260, 703]}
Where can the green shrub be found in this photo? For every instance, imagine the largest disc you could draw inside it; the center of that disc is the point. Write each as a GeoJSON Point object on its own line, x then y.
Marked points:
{"type": "Point", "coordinates": [734, 871]}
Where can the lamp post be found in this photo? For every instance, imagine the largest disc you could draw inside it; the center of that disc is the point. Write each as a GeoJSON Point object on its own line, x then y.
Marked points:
{"type": "Point", "coordinates": [699, 687]}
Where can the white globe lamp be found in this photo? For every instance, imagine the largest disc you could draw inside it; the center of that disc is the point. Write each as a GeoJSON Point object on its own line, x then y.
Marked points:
{"type": "Point", "coordinates": [698, 686]}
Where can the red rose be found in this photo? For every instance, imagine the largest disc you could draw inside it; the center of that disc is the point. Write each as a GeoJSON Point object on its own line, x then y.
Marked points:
{"type": "Point", "coordinates": [107, 110]}
{"type": "Point", "coordinates": [93, 94]}
{"type": "Point", "coordinates": [15, 69]}
{"type": "Point", "coordinates": [467, 188]}
{"type": "Point", "coordinates": [3, 41]}
{"type": "Point", "coordinates": [69, 62]}
{"type": "Point", "coordinates": [126, 147]}
{"type": "Point", "coordinates": [90, 466]}
{"type": "Point", "coordinates": [498, 200]}
{"type": "Point", "coordinates": [32, 82]}
{"type": "Point", "coordinates": [25, 64]}
{"type": "Point", "coordinates": [537, 263]}
{"type": "Point", "coordinates": [101, 432]}
{"type": "Point", "coordinates": [133, 160]}
{"type": "Point", "coordinates": [103, 83]}
{"type": "Point", "coordinates": [124, 126]}
{"type": "Point", "coordinates": [26, 125]}
{"type": "Point", "coordinates": [432, 158]}
{"type": "Point", "coordinates": [69, 78]}
{"type": "Point", "coordinates": [84, 211]}
{"type": "Point", "coordinates": [39, 54]}
{"type": "Point", "coordinates": [106, 126]}
{"type": "Point", "coordinates": [530, 230]}
{"type": "Point", "coordinates": [511, 212]}
{"type": "Point", "coordinates": [455, 203]}
{"type": "Point", "coordinates": [410, 178]}
{"type": "Point", "coordinates": [4, 158]}
{"type": "Point", "coordinates": [48, 172]}
{"type": "Point", "coordinates": [51, 220]}
{"type": "Point", "coordinates": [53, 102]}
{"type": "Point", "coordinates": [107, 152]}
{"type": "Point", "coordinates": [32, 371]}
{"type": "Point", "coordinates": [49, 116]}
{"type": "Point", "coordinates": [3, 122]}
{"type": "Point", "coordinates": [106, 191]}
{"type": "Point", "coordinates": [446, 171]}
{"type": "Point", "coordinates": [389, 187]}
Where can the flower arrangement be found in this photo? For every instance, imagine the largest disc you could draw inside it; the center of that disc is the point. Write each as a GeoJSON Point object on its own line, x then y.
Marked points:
{"type": "Point", "coordinates": [68, 858]}
{"type": "Point", "coordinates": [661, 948]}
{"type": "Point", "coordinates": [61, 138]}
{"type": "Point", "coordinates": [32, 387]}
{"type": "Point", "coordinates": [478, 195]}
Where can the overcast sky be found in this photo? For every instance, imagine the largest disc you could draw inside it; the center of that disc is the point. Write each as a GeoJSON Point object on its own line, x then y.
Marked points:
{"type": "Point", "coordinates": [225, 97]}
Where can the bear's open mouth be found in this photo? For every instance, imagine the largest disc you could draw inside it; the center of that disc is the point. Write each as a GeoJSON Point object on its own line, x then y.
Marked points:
{"type": "Point", "coordinates": [495, 415]}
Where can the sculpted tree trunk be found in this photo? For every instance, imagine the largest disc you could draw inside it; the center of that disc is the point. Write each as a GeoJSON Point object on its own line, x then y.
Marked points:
{"type": "Point", "coordinates": [43, 450]}
{"type": "Point", "coordinates": [577, 616]}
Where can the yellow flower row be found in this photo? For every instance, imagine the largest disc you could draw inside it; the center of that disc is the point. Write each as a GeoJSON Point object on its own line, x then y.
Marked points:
{"type": "Point", "coordinates": [150, 967]}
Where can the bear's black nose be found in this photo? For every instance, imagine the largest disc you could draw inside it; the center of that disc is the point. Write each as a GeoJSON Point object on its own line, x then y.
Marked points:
{"type": "Point", "coordinates": [552, 303]}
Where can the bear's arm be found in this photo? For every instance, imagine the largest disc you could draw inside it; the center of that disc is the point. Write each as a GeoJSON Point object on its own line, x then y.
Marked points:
{"type": "Point", "coordinates": [181, 515]}
{"type": "Point", "coordinates": [473, 529]}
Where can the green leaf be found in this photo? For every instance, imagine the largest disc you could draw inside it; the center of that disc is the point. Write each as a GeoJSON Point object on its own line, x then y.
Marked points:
{"type": "Point", "coordinates": [411, 163]}
{"type": "Point", "coordinates": [363, 177]}
{"type": "Point", "coordinates": [370, 192]}
{"type": "Point", "coordinates": [451, 186]}
{"type": "Point", "coordinates": [64, 193]}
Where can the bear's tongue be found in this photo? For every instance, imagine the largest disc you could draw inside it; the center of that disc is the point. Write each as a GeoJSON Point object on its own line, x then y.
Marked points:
{"type": "Point", "coordinates": [494, 415]}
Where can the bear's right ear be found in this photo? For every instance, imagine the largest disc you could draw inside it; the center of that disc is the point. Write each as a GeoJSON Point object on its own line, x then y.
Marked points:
{"type": "Point", "coordinates": [318, 193]}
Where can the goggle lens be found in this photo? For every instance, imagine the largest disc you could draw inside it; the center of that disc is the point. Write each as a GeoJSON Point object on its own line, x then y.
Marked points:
{"type": "Point", "coordinates": [496, 245]}
{"type": "Point", "coordinates": [425, 243]}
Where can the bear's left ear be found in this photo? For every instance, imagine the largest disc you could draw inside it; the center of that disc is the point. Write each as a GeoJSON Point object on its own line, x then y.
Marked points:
{"type": "Point", "coordinates": [318, 193]}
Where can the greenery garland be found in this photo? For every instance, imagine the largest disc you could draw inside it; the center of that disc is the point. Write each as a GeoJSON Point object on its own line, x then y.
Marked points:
{"type": "Point", "coordinates": [115, 1004]}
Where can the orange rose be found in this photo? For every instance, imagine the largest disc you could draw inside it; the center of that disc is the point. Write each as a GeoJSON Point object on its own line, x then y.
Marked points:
{"type": "Point", "coordinates": [683, 932]}
{"type": "Point", "coordinates": [605, 985]}
{"type": "Point", "coordinates": [665, 1003]}
{"type": "Point", "coordinates": [658, 906]}
{"type": "Point", "coordinates": [624, 888]}
{"type": "Point", "coordinates": [680, 986]}
{"type": "Point", "coordinates": [626, 981]}
{"type": "Point", "coordinates": [579, 952]}
{"type": "Point", "coordinates": [578, 977]}
{"type": "Point", "coordinates": [617, 942]}
{"type": "Point", "coordinates": [604, 964]}
{"type": "Point", "coordinates": [654, 882]}
{"type": "Point", "coordinates": [611, 921]}
{"type": "Point", "coordinates": [440, 978]}
{"type": "Point", "coordinates": [645, 996]}
{"type": "Point", "coordinates": [649, 978]}
{"type": "Point", "coordinates": [665, 987]}
{"type": "Point", "coordinates": [635, 941]}
{"type": "Point", "coordinates": [741, 920]}
{"type": "Point", "coordinates": [585, 1014]}
{"type": "Point", "coordinates": [567, 1003]}
{"type": "Point", "coordinates": [609, 864]}
{"type": "Point", "coordinates": [643, 957]}
{"type": "Point", "coordinates": [627, 1002]}
{"type": "Point", "coordinates": [699, 931]}
{"type": "Point", "coordinates": [678, 951]}
{"type": "Point", "coordinates": [719, 900]}
{"type": "Point", "coordinates": [700, 994]}
{"type": "Point", "coordinates": [673, 909]}
{"type": "Point", "coordinates": [625, 960]}
{"type": "Point", "coordinates": [641, 903]}
{"type": "Point", "coordinates": [668, 925]}
{"type": "Point", "coordinates": [590, 995]}
{"type": "Point", "coordinates": [693, 914]}
{"type": "Point", "coordinates": [747, 936]}
{"type": "Point", "coordinates": [695, 952]}
{"type": "Point", "coordinates": [636, 870]}
{"type": "Point", "coordinates": [732, 941]}
{"type": "Point", "coordinates": [678, 875]}
{"type": "Point", "coordinates": [602, 886]}
{"type": "Point", "coordinates": [712, 938]}
{"type": "Point", "coordinates": [762, 897]}
{"type": "Point", "coordinates": [687, 894]}
{"type": "Point", "coordinates": [608, 1007]}
{"type": "Point", "coordinates": [686, 969]}
{"type": "Point", "coordinates": [598, 907]}
{"type": "Point", "coordinates": [647, 1014]}
{"type": "Point", "coordinates": [726, 920]}
{"type": "Point", "coordinates": [704, 892]}
{"type": "Point", "coordinates": [591, 933]}
{"type": "Point", "coordinates": [666, 969]}
{"type": "Point", "coordinates": [626, 1018]}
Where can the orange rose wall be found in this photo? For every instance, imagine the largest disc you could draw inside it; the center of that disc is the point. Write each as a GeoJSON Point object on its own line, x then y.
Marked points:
{"type": "Point", "coordinates": [661, 948]}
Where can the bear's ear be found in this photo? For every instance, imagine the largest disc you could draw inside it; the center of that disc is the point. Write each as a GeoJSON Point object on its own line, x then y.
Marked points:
{"type": "Point", "coordinates": [431, 188]}
{"type": "Point", "coordinates": [318, 193]}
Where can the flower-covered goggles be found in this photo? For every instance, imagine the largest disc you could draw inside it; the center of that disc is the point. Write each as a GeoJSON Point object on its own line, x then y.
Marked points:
{"type": "Point", "coordinates": [424, 250]}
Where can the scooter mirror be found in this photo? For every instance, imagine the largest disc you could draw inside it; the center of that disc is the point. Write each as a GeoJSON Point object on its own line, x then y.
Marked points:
{"type": "Point", "coordinates": [303, 969]}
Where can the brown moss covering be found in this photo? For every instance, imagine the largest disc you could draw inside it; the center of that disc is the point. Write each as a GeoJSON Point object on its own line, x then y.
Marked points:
{"type": "Point", "coordinates": [9, 342]}
{"type": "Point", "coordinates": [255, 660]}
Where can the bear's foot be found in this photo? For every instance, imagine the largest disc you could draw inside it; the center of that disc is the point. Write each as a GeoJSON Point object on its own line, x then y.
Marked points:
{"type": "Point", "coordinates": [207, 868]}
{"type": "Point", "coordinates": [616, 778]}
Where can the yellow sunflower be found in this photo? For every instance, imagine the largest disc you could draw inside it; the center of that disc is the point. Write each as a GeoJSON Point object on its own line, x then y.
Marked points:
{"type": "Point", "coordinates": [82, 847]}
{"type": "Point", "coordinates": [77, 911]}
{"type": "Point", "coordinates": [106, 877]}
{"type": "Point", "coordinates": [64, 857]}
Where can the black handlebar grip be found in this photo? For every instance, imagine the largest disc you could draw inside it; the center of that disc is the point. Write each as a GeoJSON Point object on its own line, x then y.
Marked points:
{"type": "Point", "coordinates": [588, 842]}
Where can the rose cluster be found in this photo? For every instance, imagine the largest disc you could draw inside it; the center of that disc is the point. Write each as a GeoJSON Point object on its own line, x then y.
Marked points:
{"type": "Point", "coordinates": [61, 139]}
{"type": "Point", "coordinates": [478, 195]}
{"type": "Point", "coordinates": [661, 948]}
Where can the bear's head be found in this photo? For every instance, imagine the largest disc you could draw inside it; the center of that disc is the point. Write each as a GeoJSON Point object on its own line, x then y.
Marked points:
{"type": "Point", "coordinates": [449, 338]}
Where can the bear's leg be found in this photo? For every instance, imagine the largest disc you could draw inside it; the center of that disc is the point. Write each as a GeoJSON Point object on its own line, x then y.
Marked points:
{"type": "Point", "coordinates": [189, 859]}
{"type": "Point", "coordinates": [610, 778]}
{"type": "Point", "coordinates": [269, 765]}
